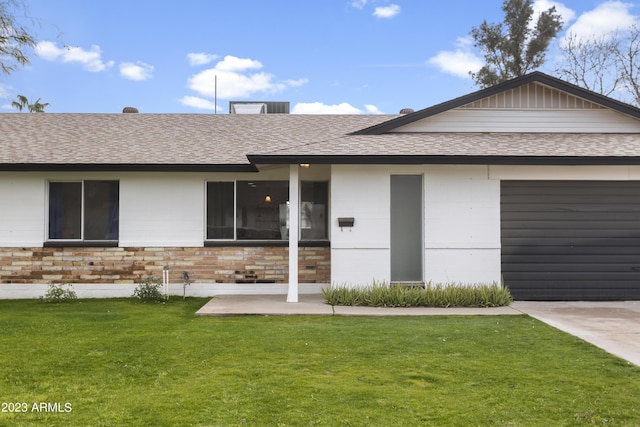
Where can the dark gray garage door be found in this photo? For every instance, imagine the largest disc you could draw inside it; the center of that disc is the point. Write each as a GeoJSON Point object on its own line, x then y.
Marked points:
{"type": "Point", "coordinates": [571, 240]}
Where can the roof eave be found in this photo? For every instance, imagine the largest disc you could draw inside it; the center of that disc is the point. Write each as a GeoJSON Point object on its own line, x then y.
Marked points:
{"type": "Point", "coordinates": [124, 167]}
{"type": "Point", "coordinates": [446, 160]}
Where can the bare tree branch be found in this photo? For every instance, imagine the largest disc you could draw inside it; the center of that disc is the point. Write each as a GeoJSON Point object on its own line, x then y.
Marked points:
{"type": "Point", "coordinates": [609, 64]}
{"type": "Point", "coordinates": [15, 39]}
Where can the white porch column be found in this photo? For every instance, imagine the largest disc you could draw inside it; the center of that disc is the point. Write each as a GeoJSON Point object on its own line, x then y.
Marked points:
{"type": "Point", "coordinates": [294, 219]}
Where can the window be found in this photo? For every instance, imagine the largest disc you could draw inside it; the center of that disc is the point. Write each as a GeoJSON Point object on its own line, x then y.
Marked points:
{"type": "Point", "coordinates": [86, 210]}
{"type": "Point", "coordinates": [259, 210]}
{"type": "Point", "coordinates": [220, 201]}
{"type": "Point", "coordinates": [314, 197]}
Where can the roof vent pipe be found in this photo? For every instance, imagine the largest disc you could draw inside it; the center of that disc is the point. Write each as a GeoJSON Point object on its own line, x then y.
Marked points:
{"type": "Point", "coordinates": [129, 110]}
{"type": "Point", "coordinates": [406, 111]}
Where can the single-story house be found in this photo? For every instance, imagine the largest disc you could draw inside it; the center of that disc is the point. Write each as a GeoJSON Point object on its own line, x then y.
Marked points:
{"type": "Point", "coordinates": [534, 183]}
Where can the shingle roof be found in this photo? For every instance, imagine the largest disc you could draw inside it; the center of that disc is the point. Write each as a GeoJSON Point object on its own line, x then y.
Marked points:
{"type": "Point", "coordinates": [239, 142]}
{"type": "Point", "coordinates": [233, 142]}
{"type": "Point", "coordinates": [514, 148]}
{"type": "Point", "coordinates": [162, 139]}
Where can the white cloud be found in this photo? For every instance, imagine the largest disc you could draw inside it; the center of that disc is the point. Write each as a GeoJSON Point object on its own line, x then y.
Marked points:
{"type": "Point", "coordinates": [232, 85]}
{"type": "Point", "coordinates": [235, 79]}
{"type": "Point", "coordinates": [200, 103]}
{"type": "Point", "coordinates": [343, 108]}
{"type": "Point", "coordinates": [138, 71]}
{"type": "Point", "coordinates": [605, 19]}
{"type": "Point", "coordinates": [91, 60]}
{"type": "Point", "coordinates": [540, 6]}
{"type": "Point", "coordinates": [201, 58]}
{"type": "Point", "coordinates": [4, 94]}
{"type": "Point", "coordinates": [359, 4]}
{"type": "Point", "coordinates": [386, 11]}
{"type": "Point", "coordinates": [233, 64]}
{"type": "Point", "coordinates": [458, 62]}
{"type": "Point", "coordinates": [296, 83]}
{"type": "Point", "coordinates": [372, 109]}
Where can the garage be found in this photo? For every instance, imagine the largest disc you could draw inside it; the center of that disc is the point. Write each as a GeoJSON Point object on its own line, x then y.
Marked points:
{"type": "Point", "coordinates": [571, 240]}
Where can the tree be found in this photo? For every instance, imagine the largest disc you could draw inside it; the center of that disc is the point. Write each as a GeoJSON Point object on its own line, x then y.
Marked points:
{"type": "Point", "coordinates": [608, 64]}
{"type": "Point", "coordinates": [588, 63]}
{"type": "Point", "coordinates": [15, 40]}
{"type": "Point", "coordinates": [22, 102]}
{"type": "Point", "coordinates": [514, 47]}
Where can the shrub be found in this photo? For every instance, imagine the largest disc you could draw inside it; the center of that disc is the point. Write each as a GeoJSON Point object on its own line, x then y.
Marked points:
{"type": "Point", "coordinates": [149, 290]}
{"type": "Point", "coordinates": [59, 293]}
{"type": "Point", "coordinates": [438, 295]}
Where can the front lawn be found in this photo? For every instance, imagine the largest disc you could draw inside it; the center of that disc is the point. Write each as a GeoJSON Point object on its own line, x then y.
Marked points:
{"type": "Point", "coordinates": [122, 362]}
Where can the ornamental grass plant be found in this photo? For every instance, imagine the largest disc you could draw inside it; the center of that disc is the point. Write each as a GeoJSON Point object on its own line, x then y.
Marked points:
{"type": "Point", "coordinates": [438, 295]}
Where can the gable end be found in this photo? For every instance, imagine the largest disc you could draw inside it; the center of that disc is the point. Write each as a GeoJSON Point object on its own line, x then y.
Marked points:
{"type": "Point", "coordinates": [530, 108]}
{"type": "Point", "coordinates": [532, 96]}
{"type": "Point", "coordinates": [536, 77]}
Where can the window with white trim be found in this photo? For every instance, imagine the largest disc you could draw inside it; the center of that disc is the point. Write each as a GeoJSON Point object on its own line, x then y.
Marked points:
{"type": "Point", "coordinates": [259, 210]}
{"type": "Point", "coordinates": [83, 210]}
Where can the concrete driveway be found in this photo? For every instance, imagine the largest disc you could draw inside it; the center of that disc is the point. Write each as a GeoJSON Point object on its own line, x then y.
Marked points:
{"type": "Point", "coordinates": [612, 326]}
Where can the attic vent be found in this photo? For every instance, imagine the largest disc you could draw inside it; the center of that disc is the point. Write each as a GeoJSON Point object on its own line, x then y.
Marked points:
{"type": "Point", "coordinates": [129, 110]}
{"type": "Point", "coordinates": [257, 107]}
{"type": "Point", "coordinates": [406, 111]}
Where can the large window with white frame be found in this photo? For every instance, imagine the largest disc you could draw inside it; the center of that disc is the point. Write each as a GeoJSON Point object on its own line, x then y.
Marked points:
{"type": "Point", "coordinates": [259, 210]}
{"type": "Point", "coordinates": [83, 211]}
{"type": "Point", "coordinates": [314, 213]}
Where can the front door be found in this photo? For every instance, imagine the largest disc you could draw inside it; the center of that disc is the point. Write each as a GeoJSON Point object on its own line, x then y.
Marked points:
{"type": "Point", "coordinates": [406, 228]}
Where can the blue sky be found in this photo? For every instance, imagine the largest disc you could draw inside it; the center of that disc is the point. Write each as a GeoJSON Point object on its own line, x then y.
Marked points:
{"type": "Point", "coordinates": [323, 56]}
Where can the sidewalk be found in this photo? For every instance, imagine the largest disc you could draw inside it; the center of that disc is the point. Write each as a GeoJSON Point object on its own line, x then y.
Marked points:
{"type": "Point", "coordinates": [314, 304]}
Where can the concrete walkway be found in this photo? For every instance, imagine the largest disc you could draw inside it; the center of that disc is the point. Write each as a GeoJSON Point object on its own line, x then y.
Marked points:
{"type": "Point", "coordinates": [612, 326]}
{"type": "Point", "coordinates": [315, 304]}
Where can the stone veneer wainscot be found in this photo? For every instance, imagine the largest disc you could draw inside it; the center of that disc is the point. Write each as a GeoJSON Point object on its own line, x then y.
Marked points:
{"type": "Point", "coordinates": [134, 264]}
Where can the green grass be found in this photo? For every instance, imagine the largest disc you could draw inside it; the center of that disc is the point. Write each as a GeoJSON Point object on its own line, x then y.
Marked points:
{"type": "Point", "coordinates": [123, 362]}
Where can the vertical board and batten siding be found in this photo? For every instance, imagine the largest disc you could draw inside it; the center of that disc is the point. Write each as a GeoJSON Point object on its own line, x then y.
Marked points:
{"type": "Point", "coordinates": [531, 108]}
{"type": "Point", "coordinates": [571, 240]}
{"type": "Point", "coordinates": [533, 96]}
